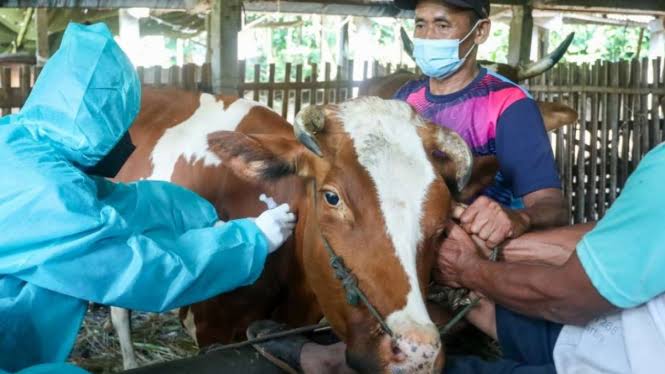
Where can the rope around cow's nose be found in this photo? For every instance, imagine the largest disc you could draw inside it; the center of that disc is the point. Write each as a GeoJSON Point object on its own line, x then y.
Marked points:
{"type": "Point", "coordinates": [326, 327]}
{"type": "Point", "coordinates": [471, 304]}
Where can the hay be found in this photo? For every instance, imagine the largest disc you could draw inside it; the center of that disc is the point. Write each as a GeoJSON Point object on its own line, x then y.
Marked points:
{"type": "Point", "coordinates": [156, 337]}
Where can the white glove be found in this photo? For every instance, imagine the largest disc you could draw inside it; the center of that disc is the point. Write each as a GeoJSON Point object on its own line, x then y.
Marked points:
{"type": "Point", "coordinates": [268, 201]}
{"type": "Point", "coordinates": [276, 224]}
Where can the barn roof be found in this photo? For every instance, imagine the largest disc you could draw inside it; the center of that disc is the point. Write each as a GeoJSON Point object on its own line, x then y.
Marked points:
{"type": "Point", "coordinates": [346, 7]}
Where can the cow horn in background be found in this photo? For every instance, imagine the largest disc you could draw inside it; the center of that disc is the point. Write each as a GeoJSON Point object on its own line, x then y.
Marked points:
{"type": "Point", "coordinates": [308, 123]}
{"type": "Point", "coordinates": [407, 43]}
{"type": "Point", "coordinates": [545, 63]}
{"type": "Point", "coordinates": [455, 148]}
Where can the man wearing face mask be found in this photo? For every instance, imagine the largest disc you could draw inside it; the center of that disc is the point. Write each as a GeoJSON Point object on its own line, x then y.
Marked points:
{"type": "Point", "coordinates": [70, 236]}
{"type": "Point", "coordinates": [494, 116]}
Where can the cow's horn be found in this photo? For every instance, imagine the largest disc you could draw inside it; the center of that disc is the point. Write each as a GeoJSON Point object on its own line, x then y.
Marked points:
{"type": "Point", "coordinates": [545, 63]}
{"type": "Point", "coordinates": [308, 123]}
{"type": "Point", "coordinates": [454, 147]}
{"type": "Point", "coordinates": [407, 43]}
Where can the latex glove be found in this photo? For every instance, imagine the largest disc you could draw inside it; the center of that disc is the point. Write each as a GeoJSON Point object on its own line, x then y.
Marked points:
{"type": "Point", "coordinates": [268, 201]}
{"type": "Point", "coordinates": [276, 224]}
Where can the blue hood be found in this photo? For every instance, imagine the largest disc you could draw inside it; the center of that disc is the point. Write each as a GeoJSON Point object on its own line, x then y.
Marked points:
{"type": "Point", "coordinates": [86, 97]}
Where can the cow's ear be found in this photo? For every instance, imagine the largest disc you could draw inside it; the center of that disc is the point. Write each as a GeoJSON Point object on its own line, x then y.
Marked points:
{"type": "Point", "coordinates": [465, 175]}
{"type": "Point", "coordinates": [482, 176]}
{"type": "Point", "coordinates": [258, 158]}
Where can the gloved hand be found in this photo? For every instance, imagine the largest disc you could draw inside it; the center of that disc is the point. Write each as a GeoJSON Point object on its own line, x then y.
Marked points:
{"type": "Point", "coordinates": [275, 223]}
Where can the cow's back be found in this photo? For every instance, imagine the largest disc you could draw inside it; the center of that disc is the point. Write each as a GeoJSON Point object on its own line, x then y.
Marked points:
{"type": "Point", "coordinates": [170, 134]}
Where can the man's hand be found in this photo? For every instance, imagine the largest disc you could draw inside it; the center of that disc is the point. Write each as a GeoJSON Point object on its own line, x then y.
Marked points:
{"type": "Point", "coordinates": [491, 222]}
{"type": "Point", "coordinates": [457, 254]}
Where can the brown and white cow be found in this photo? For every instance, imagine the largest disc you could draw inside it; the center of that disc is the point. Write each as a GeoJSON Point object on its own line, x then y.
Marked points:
{"type": "Point", "coordinates": [382, 202]}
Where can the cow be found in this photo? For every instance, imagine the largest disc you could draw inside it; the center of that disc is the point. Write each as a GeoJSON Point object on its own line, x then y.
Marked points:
{"type": "Point", "coordinates": [369, 176]}
{"type": "Point", "coordinates": [555, 115]}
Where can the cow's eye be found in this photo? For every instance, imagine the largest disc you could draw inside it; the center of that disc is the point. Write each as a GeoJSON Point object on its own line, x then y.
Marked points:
{"type": "Point", "coordinates": [331, 198]}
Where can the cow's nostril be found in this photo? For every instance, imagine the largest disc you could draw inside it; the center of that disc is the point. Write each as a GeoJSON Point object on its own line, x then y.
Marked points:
{"type": "Point", "coordinates": [398, 355]}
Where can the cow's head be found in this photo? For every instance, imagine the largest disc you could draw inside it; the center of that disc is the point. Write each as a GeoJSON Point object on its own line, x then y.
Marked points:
{"type": "Point", "coordinates": [381, 183]}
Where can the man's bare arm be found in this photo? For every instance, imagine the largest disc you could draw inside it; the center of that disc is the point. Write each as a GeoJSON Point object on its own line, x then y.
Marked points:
{"type": "Point", "coordinates": [545, 208]}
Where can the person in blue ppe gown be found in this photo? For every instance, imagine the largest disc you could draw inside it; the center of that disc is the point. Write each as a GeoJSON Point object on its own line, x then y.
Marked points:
{"type": "Point", "coordinates": [69, 236]}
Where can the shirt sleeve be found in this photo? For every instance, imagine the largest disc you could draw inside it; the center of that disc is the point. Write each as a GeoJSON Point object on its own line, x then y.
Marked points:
{"type": "Point", "coordinates": [523, 149]}
{"type": "Point", "coordinates": [146, 246]}
{"type": "Point", "coordinates": [624, 255]}
{"type": "Point", "coordinates": [406, 90]}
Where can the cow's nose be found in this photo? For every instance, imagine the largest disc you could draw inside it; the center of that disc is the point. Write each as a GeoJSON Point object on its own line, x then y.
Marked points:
{"type": "Point", "coordinates": [416, 349]}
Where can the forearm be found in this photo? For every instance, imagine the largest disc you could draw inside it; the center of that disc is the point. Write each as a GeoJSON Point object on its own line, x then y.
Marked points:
{"type": "Point", "coordinates": [546, 212]}
{"type": "Point", "coordinates": [553, 246]}
{"type": "Point", "coordinates": [557, 293]}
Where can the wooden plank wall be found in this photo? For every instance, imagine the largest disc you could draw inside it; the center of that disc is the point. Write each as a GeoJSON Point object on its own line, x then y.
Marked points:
{"type": "Point", "coordinates": [620, 107]}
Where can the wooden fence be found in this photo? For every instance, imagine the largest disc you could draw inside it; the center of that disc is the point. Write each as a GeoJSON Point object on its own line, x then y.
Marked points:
{"type": "Point", "coordinates": [298, 85]}
{"type": "Point", "coordinates": [620, 108]}
{"type": "Point", "coordinates": [620, 105]}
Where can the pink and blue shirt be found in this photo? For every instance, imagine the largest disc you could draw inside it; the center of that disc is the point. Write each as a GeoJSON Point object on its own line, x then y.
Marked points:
{"type": "Point", "coordinates": [495, 117]}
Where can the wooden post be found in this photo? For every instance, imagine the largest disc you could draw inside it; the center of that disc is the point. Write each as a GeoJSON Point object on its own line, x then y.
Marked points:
{"type": "Point", "coordinates": [42, 36]}
{"type": "Point", "coordinates": [208, 38]}
{"type": "Point", "coordinates": [225, 24]}
{"type": "Point", "coordinates": [657, 38]}
{"type": "Point", "coordinates": [343, 47]}
{"type": "Point", "coordinates": [543, 41]}
{"type": "Point", "coordinates": [613, 118]}
{"type": "Point", "coordinates": [521, 29]}
{"type": "Point", "coordinates": [604, 131]}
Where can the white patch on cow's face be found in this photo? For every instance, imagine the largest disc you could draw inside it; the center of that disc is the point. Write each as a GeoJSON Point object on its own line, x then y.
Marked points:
{"type": "Point", "coordinates": [190, 138]}
{"type": "Point", "coordinates": [385, 137]}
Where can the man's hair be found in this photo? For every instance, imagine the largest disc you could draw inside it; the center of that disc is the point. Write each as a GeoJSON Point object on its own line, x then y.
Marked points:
{"type": "Point", "coordinates": [473, 17]}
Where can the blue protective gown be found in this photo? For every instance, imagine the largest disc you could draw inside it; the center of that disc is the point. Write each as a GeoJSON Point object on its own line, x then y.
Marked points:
{"type": "Point", "coordinates": [67, 238]}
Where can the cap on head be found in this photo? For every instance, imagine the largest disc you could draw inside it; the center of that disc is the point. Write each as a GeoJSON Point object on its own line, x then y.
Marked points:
{"type": "Point", "coordinates": [481, 7]}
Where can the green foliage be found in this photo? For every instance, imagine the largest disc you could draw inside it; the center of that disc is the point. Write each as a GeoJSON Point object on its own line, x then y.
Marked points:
{"type": "Point", "coordinates": [496, 46]}
{"type": "Point", "coordinates": [593, 42]}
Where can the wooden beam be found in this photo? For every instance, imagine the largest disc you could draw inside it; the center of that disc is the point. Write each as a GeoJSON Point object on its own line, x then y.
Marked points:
{"type": "Point", "coordinates": [644, 5]}
{"type": "Point", "coordinates": [24, 29]}
{"type": "Point", "coordinates": [165, 4]}
{"type": "Point", "coordinates": [343, 8]}
{"type": "Point", "coordinates": [603, 6]}
{"type": "Point", "coordinates": [387, 9]}
{"type": "Point", "coordinates": [225, 24]}
{"type": "Point", "coordinates": [521, 31]}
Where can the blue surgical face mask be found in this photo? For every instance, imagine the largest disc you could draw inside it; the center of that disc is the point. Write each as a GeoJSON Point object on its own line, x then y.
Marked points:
{"type": "Point", "coordinates": [439, 58]}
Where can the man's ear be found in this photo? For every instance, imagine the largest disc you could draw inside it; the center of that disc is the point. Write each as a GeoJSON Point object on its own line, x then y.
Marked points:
{"type": "Point", "coordinates": [260, 158]}
{"type": "Point", "coordinates": [483, 31]}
